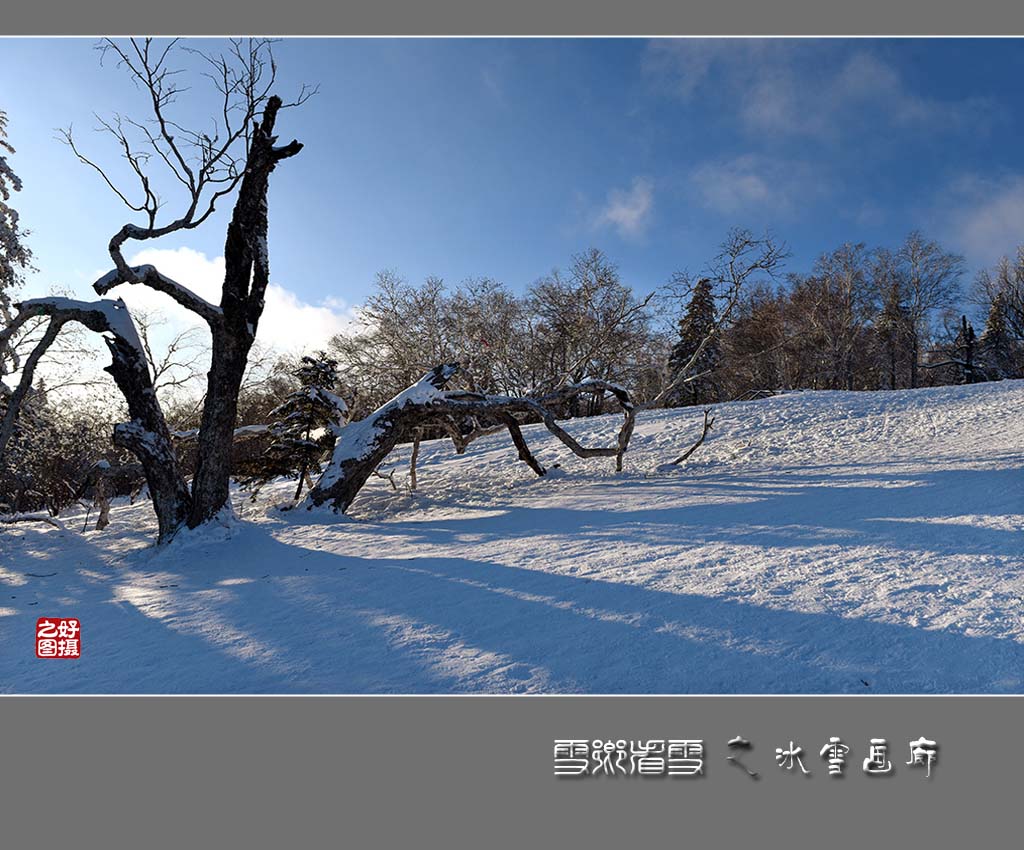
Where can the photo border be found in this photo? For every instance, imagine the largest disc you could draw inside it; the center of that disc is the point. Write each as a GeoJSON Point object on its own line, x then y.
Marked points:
{"type": "Point", "coordinates": [476, 771]}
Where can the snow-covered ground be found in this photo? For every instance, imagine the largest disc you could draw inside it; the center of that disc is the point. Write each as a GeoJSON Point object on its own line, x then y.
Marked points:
{"type": "Point", "coordinates": [817, 543]}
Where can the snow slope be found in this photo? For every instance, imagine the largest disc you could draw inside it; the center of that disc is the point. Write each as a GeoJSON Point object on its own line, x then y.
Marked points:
{"type": "Point", "coordinates": [820, 542]}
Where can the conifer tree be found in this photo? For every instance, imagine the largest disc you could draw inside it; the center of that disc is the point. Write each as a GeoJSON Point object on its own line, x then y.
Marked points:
{"type": "Point", "coordinates": [1000, 353]}
{"type": "Point", "coordinates": [966, 346]}
{"type": "Point", "coordinates": [696, 326]}
{"type": "Point", "coordinates": [15, 256]}
{"type": "Point", "coordinates": [310, 419]}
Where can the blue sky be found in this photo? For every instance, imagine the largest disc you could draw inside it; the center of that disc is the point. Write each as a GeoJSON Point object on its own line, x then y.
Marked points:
{"type": "Point", "coordinates": [503, 157]}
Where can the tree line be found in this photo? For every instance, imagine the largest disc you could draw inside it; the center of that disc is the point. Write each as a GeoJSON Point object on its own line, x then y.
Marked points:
{"type": "Point", "coordinates": [860, 319]}
{"type": "Point", "coordinates": [579, 339]}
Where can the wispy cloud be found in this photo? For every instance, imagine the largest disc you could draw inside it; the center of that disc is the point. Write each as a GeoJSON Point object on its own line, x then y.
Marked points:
{"type": "Point", "coordinates": [683, 65]}
{"type": "Point", "coordinates": [629, 210]}
{"type": "Point", "coordinates": [983, 216]}
{"type": "Point", "coordinates": [490, 78]}
{"type": "Point", "coordinates": [753, 182]}
{"type": "Point", "coordinates": [804, 88]}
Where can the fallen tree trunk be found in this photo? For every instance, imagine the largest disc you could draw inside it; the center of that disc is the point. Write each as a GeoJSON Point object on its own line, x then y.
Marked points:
{"type": "Point", "coordinates": [363, 445]}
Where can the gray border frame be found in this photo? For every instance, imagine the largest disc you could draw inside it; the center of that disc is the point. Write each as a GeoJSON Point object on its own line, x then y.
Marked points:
{"type": "Point", "coordinates": [525, 17]}
{"type": "Point", "coordinates": [477, 772]}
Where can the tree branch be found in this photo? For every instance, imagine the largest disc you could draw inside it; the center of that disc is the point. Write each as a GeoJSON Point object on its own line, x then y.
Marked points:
{"type": "Point", "coordinates": [151, 277]}
{"type": "Point", "coordinates": [709, 420]}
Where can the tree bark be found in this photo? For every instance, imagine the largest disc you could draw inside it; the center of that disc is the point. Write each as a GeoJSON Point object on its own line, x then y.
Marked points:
{"type": "Point", "coordinates": [246, 278]}
{"type": "Point", "coordinates": [363, 445]}
{"type": "Point", "coordinates": [913, 359]}
{"type": "Point", "coordinates": [414, 457]}
{"type": "Point", "coordinates": [146, 435]}
{"type": "Point", "coordinates": [709, 420]}
{"type": "Point", "coordinates": [28, 371]}
{"type": "Point", "coordinates": [233, 329]}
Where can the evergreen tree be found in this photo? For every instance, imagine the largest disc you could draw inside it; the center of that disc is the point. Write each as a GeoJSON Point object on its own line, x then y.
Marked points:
{"type": "Point", "coordinates": [15, 256]}
{"type": "Point", "coordinates": [966, 346]}
{"type": "Point", "coordinates": [696, 326]}
{"type": "Point", "coordinates": [999, 352]}
{"type": "Point", "coordinates": [891, 329]}
{"type": "Point", "coordinates": [310, 419]}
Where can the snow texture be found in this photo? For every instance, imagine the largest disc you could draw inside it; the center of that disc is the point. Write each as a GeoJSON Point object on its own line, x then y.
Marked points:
{"type": "Point", "coordinates": [819, 542]}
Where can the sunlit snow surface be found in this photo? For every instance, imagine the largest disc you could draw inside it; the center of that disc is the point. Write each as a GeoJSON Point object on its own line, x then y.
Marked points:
{"type": "Point", "coordinates": [817, 543]}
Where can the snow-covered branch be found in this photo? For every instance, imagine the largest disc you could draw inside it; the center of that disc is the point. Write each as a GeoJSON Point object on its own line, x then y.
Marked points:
{"type": "Point", "coordinates": [239, 433]}
{"type": "Point", "coordinates": [364, 444]}
{"type": "Point", "coordinates": [150, 276]}
{"type": "Point", "coordinates": [146, 435]}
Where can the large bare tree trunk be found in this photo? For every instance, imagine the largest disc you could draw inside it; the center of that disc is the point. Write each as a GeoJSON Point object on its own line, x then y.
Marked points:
{"type": "Point", "coordinates": [208, 165]}
{"type": "Point", "coordinates": [246, 278]}
{"type": "Point", "coordinates": [146, 435]}
{"type": "Point", "coordinates": [210, 486]}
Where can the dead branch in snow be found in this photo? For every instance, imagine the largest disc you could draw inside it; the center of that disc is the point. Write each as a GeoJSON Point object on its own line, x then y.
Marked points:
{"type": "Point", "coordinates": [709, 420]}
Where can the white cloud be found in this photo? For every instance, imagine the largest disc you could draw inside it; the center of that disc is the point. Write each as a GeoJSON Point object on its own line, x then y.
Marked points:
{"type": "Point", "coordinates": [797, 88]}
{"type": "Point", "coordinates": [748, 182]}
{"type": "Point", "coordinates": [986, 216]}
{"type": "Point", "coordinates": [288, 323]}
{"type": "Point", "coordinates": [629, 210]}
{"type": "Point", "coordinates": [685, 63]}
{"type": "Point", "coordinates": [731, 186]}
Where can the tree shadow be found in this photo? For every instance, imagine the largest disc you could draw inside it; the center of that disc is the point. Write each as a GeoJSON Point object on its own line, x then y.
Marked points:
{"type": "Point", "coordinates": [271, 616]}
{"type": "Point", "coordinates": [791, 508]}
{"type": "Point", "coordinates": [284, 618]}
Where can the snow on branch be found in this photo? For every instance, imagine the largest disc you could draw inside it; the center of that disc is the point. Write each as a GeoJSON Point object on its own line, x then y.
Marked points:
{"type": "Point", "coordinates": [109, 318]}
{"type": "Point", "coordinates": [146, 435]}
{"type": "Point", "coordinates": [364, 444]}
{"type": "Point", "coordinates": [239, 433]}
{"type": "Point", "coordinates": [150, 276]}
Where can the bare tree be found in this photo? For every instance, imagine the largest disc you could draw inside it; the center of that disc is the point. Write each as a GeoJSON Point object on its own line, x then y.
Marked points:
{"type": "Point", "coordinates": [588, 324]}
{"type": "Point", "coordinates": [179, 363]}
{"type": "Point", "coordinates": [830, 314]}
{"type": "Point", "coordinates": [146, 435]}
{"type": "Point", "coordinates": [238, 152]}
{"type": "Point", "coordinates": [892, 324]}
{"type": "Point", "coordinates": [1004, 286]}
{"type": "Point", "coordinates": [931, 281]}
{"type": "Point", "coordinates": [402, 331]}
{"type": "Point", "coordinates": [741, 259]}
{"type": "Point", "coordinates": [755, 345]}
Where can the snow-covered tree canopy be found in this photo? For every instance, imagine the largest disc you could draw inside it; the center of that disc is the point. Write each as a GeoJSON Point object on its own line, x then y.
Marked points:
{"type": "Point", "coordinates": [15, 255]}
